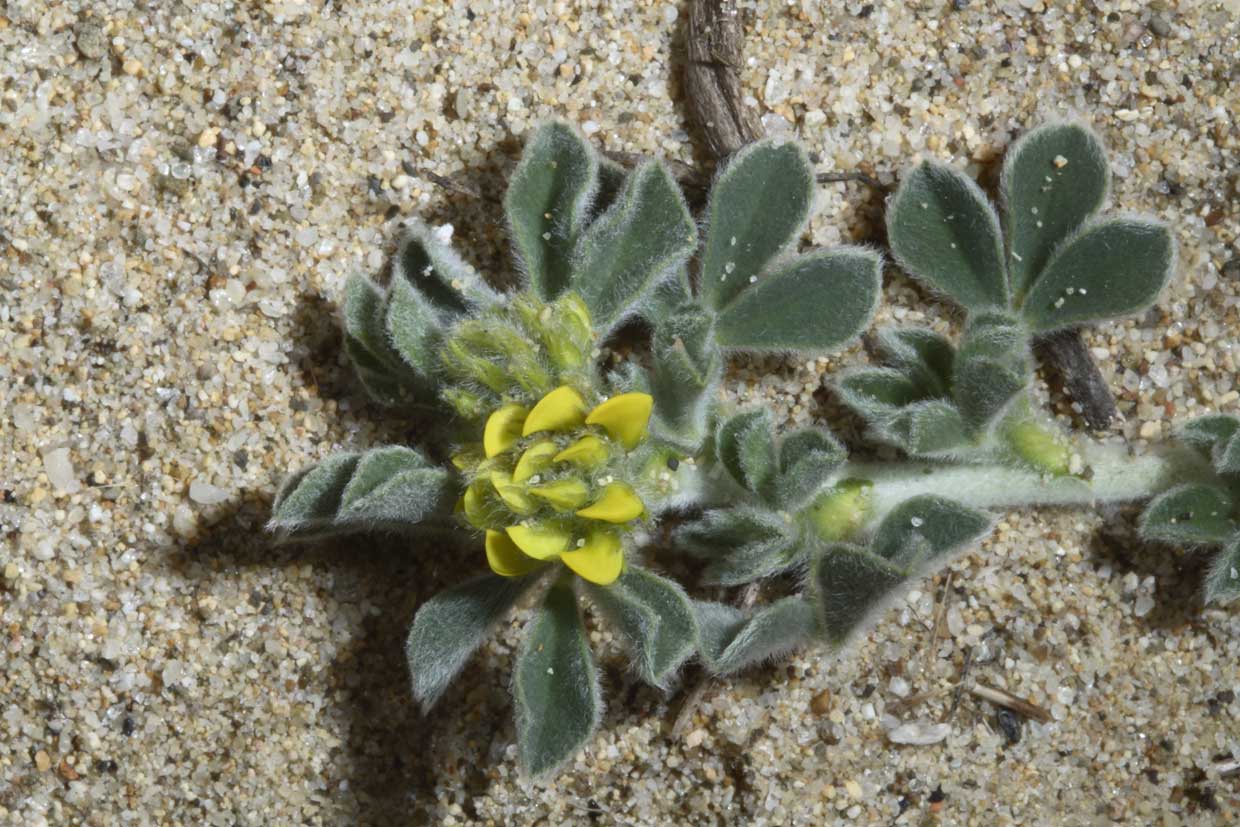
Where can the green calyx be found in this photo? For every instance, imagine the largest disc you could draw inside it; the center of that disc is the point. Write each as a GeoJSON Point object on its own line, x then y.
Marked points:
{"type": "Point", "coordinates": [521, 350]}
{"type": "Point", "coordinates": [1039, 446]}
{"type": "Point", "coordinates": [841, 511]}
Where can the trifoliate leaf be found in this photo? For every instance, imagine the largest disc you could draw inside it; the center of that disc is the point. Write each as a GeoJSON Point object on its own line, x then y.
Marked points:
{"type": "Point", "coordinates": [641, 239]}
{"type": "Point", "coordinates": [1223, 581]}
{"type": "Point", "coordinates": [656, 619]}
{"type": "Point", "coordinates": [746, 447]}
{"type": "Point", "coordinates": [851, 586]}
{"type": "Point", "coordinates": [555, 689]}
{"type": "Point", "coordinates": [921, 530]}
{"type": "Point", "coordinates": [731, 641]}
{"type": "Point", "coordinates": [758, 206]}
{"type": "Point", "coordinates": [548, 203]}
{"type": "Point", "coordinates": [807, 459]}
{"type": "Point", "coordinates": [1189, 513]}
{"type": "Point", "coordinates": [944, 232]}
{"type": "Point", "coordinates": [1054, 178]}
{"type": "Point", "coordinates": [811, 304]}
{"type": "Point", "coordinates": [449, 628]}
{"type": "Point", "coordinates": [1113, 267]}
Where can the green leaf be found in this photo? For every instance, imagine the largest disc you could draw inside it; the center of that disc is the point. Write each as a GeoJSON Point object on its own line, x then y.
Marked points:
{"type": "Point", "coordinates": [548, 203]}
{"type": "Point", "coordinates": [719, 530]}
{"type": "Point", "coordinates": [1054, 178]}
{"type": "Point", "coordinates": [1223, 581]}
{"type": "Point", "coordinates": [655, 617]}
{"type": "Point", "coordinates": [731, 641]}
{"type": "Point", "coordinates": [1227, 456]}
{"type": "Point", "coordinates": [450, 627]}
{"type": "Point", "coordinates": [384, 489]}
{"type": "Point", "coordinates": [746, 448]}
{"type": "Point", "coordinates": [633, 246]}
{"type": "Point", "coordinates": [382, 372]}
{"type": "Point", "coordinates": [414, 327]}
{"type": "Point", "coordinates": [992, 367]}
{"type": "Point", "coordinates": [425, 261]}
{"type": "Point", "coordinates": [812, 303]}
{"type": "Point", "coordinates": [944, 232]}
{"type": "Point", "coordinates": [1190, 513]}
{"type": "Point", "coordinates": [851, 586]}
{"type": "Point", "coordinates": [758, 206]}
{"type": "Point", "coordinates": [1205, 432]}
{"type": "Point", "coordinates": [687, 367]}
{"type": "Point", "coordinates": [930, 428]}
{"type": "Point", "coordinates": [1114, 267]}
{"type": "Point", "coordinates": [807, 459]}
{"type": "Point", "coordinates": [922, 355]}
{"type": "Point", "coordinates": [877, 394]}
{"type": "Point", "coordinates": [923, 529]}
{"type": "Point", "coordinates": [556, 686]}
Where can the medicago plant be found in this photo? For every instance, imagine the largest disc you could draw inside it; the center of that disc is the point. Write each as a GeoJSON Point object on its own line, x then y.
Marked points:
{"type": "Point", "coordinates": [562, 473]}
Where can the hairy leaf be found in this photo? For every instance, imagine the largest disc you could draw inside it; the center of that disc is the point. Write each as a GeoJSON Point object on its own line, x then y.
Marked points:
{"type": "Point", "coordinates": [1205, 432]}
{"type": "Point", "coordinates": [922, 355]}
{"type": "Point", "coordinates": [641, 239]}
{"type": "Point", "coordinates": [555, 688]}
{"type": "Point", "coordinates": [944, 232]}
{"type": "Point", "coordinates": [992, 367]}
{"type": "Point", "coordinates": [807, 459]}
{"type": "Point", "coordinates": [812, 303]}
{"type": "Point", "coordinates": [687, 368]}
{"type": "Point", "coordinates": [449, 628]}
{"type": "Point", "coordinates": [1189, 513]}
{"type": "Point", "coordinates": [758, 206]}
{"type": "Point", "coordinates": [746, 447]}
{"type": "Point", "coordinates": [382, 372]}
{"type": "Point", "coordinates": [425, 261]}
{"type": "Point", "coordinates": [548, 203]}
{"type": "Point", "coordinates": [930, 428]}
{"type": "Point", "coordinates": [384, 489]}
{"type": "Point", "coordinates": [1113, 267]}
{"type": "Point", "coordinates": [731, 641]}
{"type": "Point", "coordinates": [852, 584]}
{"type": "Point", "coordinates": [414, 327]}
{"type": "Point", "coordinates": [1223, 581]}
{"type": "Point", "coordinates": [920, 530]}
{"type": "Point", "coordinates": [655, 616]}
{"type": "Point", "coordinates": [1227, 456]}
{"type": "Point", "coordinates": [1054, 178]}
{"type": "Point", "coordinates": [877, 393]}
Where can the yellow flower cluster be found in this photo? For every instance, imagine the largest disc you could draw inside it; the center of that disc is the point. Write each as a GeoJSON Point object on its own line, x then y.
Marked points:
{"type": "Point", "coordinates": [539, 460]}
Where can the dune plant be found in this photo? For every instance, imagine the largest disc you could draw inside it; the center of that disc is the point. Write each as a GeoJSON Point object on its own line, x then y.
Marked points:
{"type": "Point", "coordinates": [564, 469]}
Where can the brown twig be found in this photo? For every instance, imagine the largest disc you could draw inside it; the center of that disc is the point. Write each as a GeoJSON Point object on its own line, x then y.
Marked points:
{"type": "Point", "coordinates": [1007, 700]}
{"type": "Point", "coordinates": [450, 184]}
{"type": "Point", "coordinates": [712, 84]}
{"type": "Point", "coordinates": [1066, 355]}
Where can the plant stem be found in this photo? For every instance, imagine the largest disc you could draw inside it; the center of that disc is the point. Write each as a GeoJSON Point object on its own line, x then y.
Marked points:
{"type": "Point", "coordinates": [1112, 475]}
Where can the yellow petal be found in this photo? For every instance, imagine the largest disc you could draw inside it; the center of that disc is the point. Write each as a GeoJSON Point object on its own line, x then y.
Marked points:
{"type": "Point", "coordinates": [540, 540]}
{"type": "Point", "coordinates": [587, 452]}
{"type": "Point", "coordinates": [474, 505]}
{"type": "Point", "coordinates": [505, 558]}
{"type": "Point", "coordinates": [514, 495]}
{"type": "Point", "coordinates": [618, 504]}
{"type": "Point", "coordinates": [624, 417]}
{"type": "Point", "coordinates": [559, 410]}
{"type": "Point", "coordinates": [535, 459]}
{"type": "Point", "coordinates": [503, 428]}
{"type": "Point", "coordinates": [600, 560]}
{"type": "Point", "coordinates": [565, 495]}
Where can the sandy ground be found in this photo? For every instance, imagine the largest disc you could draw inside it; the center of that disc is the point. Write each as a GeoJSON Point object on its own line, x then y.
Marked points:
{"type": "Point", "coordinates": [184, 189]}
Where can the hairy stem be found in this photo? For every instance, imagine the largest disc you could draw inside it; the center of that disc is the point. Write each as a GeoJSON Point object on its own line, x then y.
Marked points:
{"type": "Point", "coordinates": [1111, 475]}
